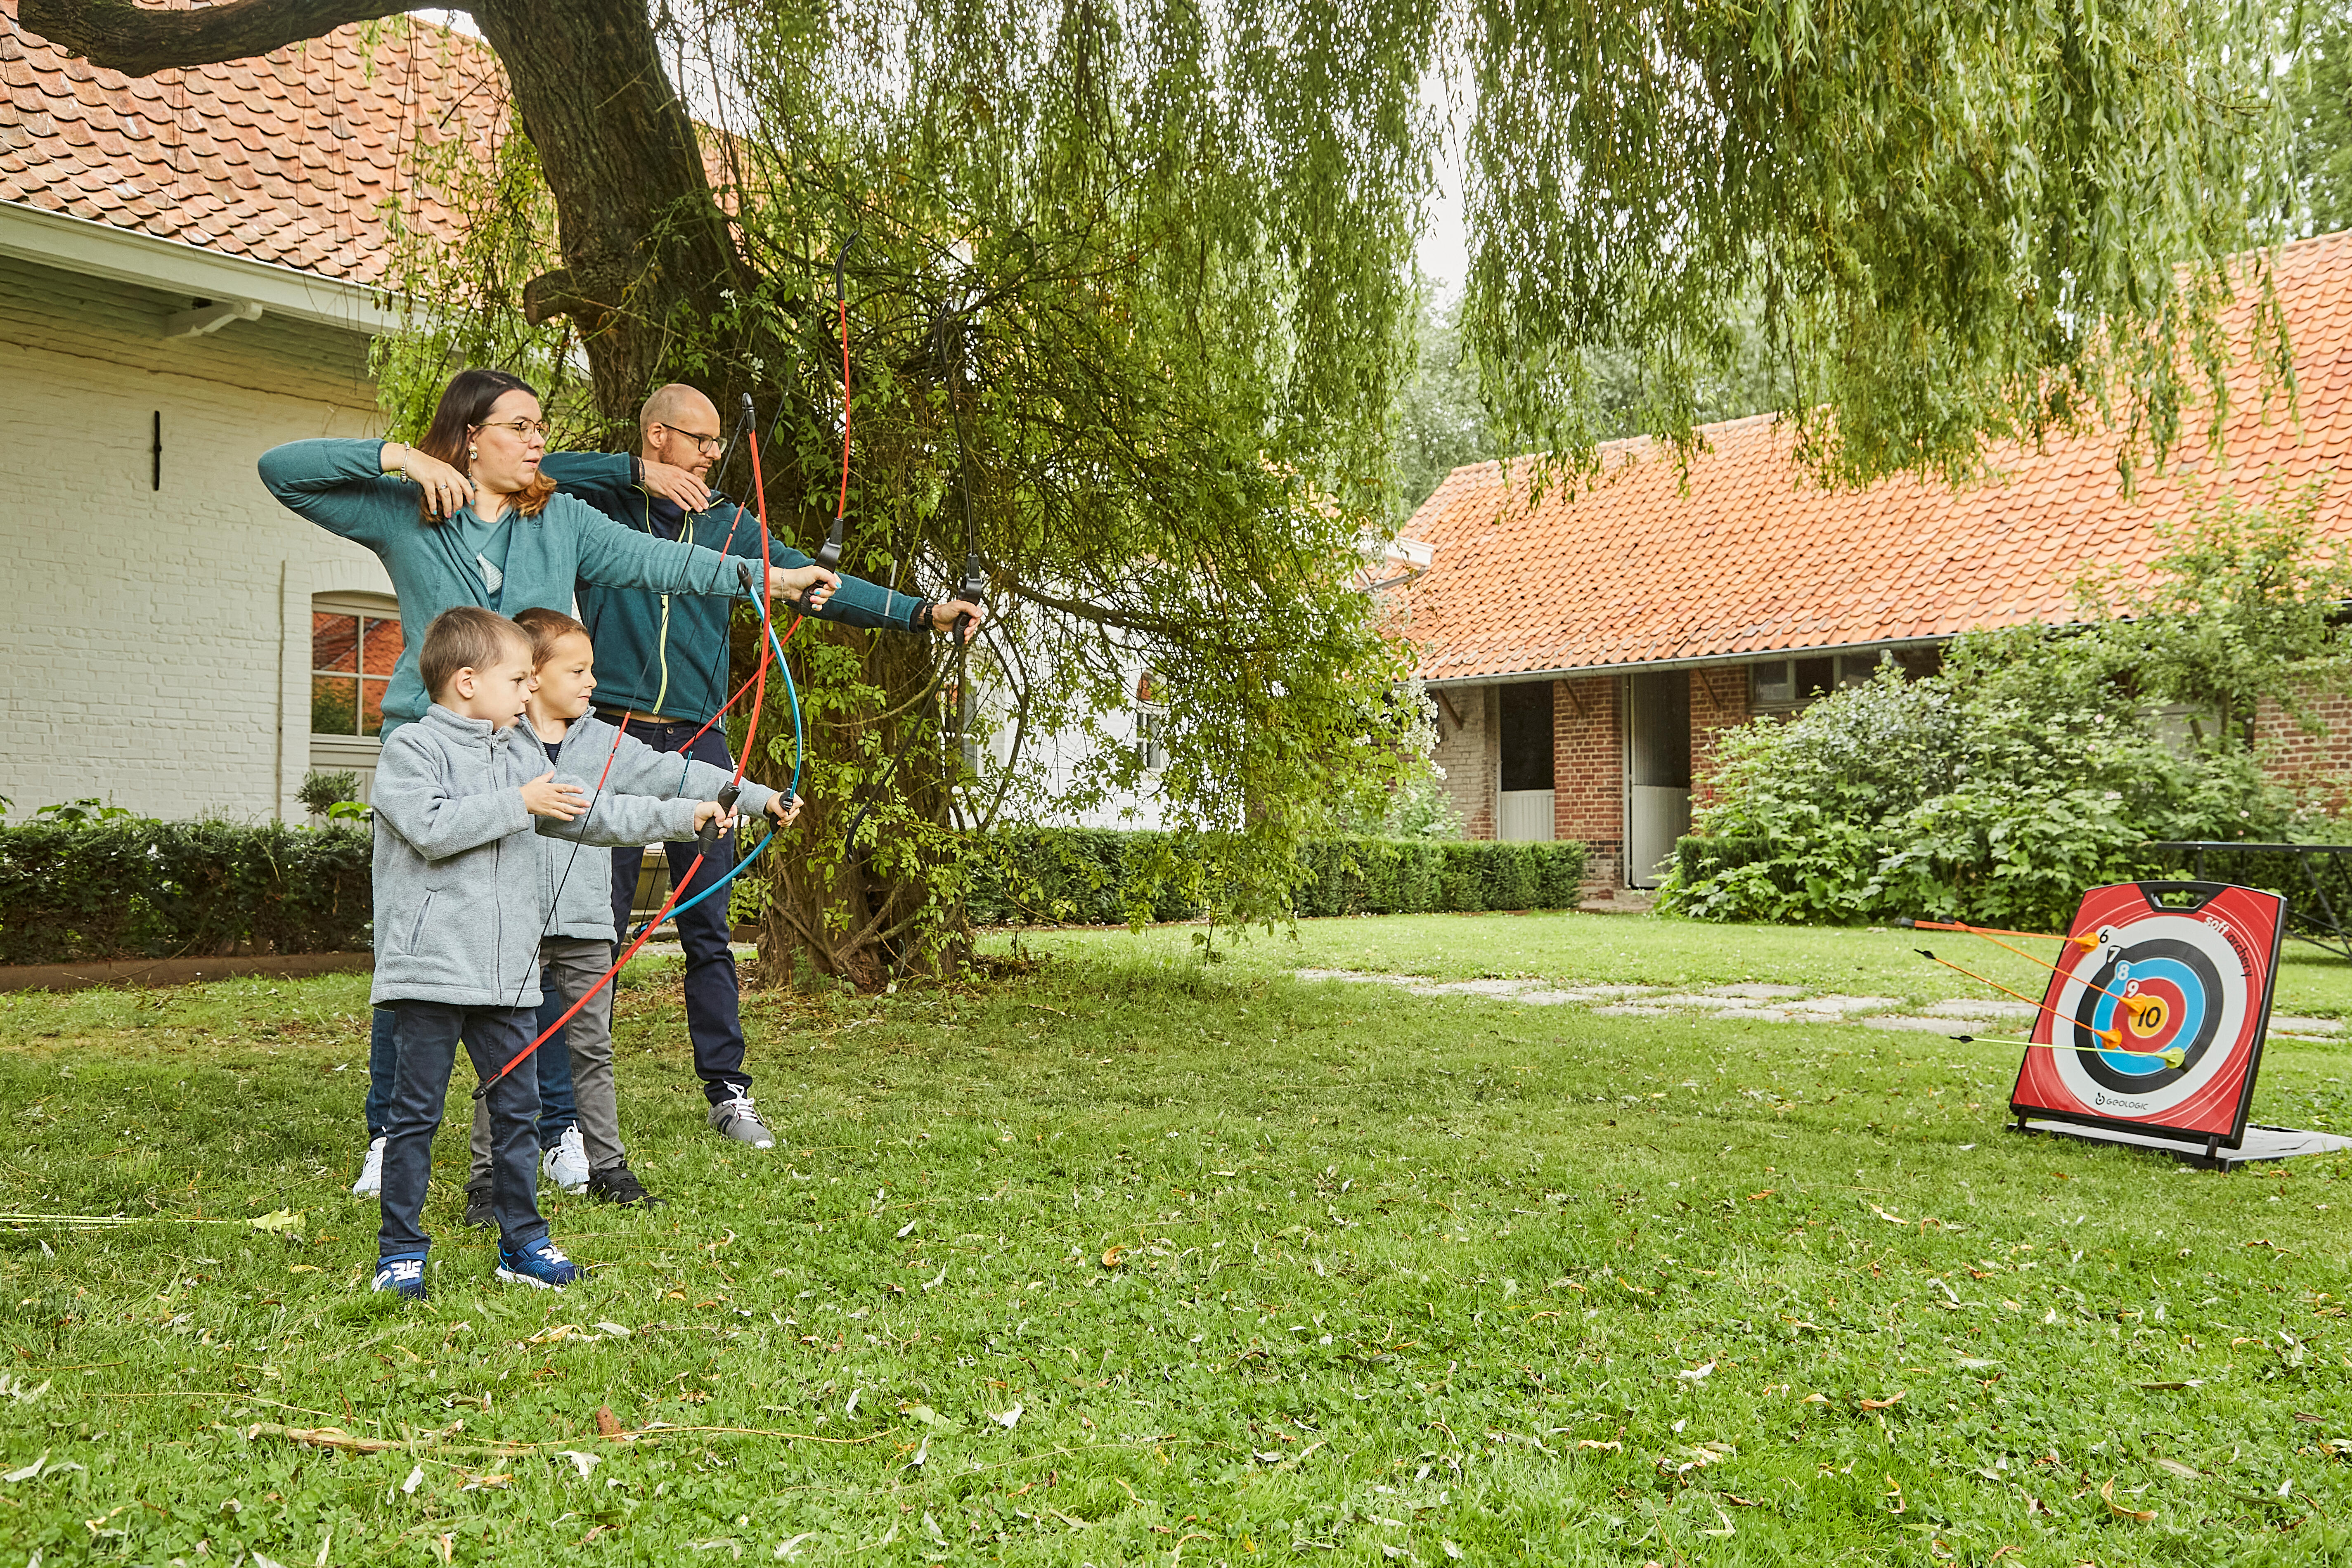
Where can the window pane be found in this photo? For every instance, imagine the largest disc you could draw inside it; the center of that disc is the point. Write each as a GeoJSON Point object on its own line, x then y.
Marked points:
{"type": "Point", "coordinates": [379, 647]}
{"type": "Point", "coordinates": [372, 707]}
{"type": "Point", "coordinates": [1772, 681]}
{"type": "Point", "coordinates": [1813, 676]}
{"type": "Point", "coordinates": [335, 705]}
{"type": "Point", "coordinates": [334, 641]}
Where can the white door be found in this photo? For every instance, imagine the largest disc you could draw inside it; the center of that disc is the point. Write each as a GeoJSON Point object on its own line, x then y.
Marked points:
{"type": "Point", "coordinates": [1525, 815]}
{"type": "Point", "coordinates": [1658, 771]}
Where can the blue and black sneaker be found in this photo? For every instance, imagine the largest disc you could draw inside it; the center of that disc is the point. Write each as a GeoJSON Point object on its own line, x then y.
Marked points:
{"type": "Point", "coordinates": [402, 1275]}
{"type": "Point", "coordinates": [541, 1264]}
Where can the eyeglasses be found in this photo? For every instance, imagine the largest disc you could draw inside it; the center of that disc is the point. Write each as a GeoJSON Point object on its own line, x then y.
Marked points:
{"type": "Point", "coordinates": [714, 445]}
{"type": "Point", "coordinates": [523, 429]}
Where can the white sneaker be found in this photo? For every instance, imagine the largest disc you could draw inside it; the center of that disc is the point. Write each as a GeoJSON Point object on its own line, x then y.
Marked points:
{"type": "Point", "coordinates": [371, 1182]}
{"type": "Point", "coordinates": [565, 1166]}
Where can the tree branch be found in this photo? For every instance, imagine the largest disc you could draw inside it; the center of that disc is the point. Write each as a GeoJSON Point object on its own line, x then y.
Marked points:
{"type": "Point", "coordinates": [129, 38]}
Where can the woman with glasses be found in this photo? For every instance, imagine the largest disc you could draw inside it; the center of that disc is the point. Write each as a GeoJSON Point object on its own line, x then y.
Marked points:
{"type": "Point", "coordinates": [465, 517]}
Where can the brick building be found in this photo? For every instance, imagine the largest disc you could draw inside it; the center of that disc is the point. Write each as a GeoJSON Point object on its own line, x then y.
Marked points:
{"type": "Point", "coordinates": [1587, 653]}
{"type": "Point", "coordinates": [189, 274]}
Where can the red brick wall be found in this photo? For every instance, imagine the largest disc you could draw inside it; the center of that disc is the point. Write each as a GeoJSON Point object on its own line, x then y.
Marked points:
{"type": "Point", "coordinates": [1588, 784]}
{"type": "Point", "coordinates": [2321, 764]}
{"type": "Point", "coordinates": [1466, 749]}
{"type": "Point", "coordinates": [1718, 701]}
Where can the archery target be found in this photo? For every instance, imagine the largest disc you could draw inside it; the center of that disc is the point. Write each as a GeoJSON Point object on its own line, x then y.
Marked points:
{"type": "Point", "coordinates": [2159, 1024]}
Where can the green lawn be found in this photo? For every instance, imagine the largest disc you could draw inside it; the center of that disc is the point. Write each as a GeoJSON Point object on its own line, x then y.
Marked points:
{"type": "Point", "coordinates": [1134, 1260]}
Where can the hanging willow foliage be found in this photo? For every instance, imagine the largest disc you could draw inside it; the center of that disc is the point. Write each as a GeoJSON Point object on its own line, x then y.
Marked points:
{"type": "Point", "coordinates": [1133, 296]}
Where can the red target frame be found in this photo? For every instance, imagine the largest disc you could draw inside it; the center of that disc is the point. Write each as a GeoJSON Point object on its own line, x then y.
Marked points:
{"type": "Point", "coordinates": [2180, 966]}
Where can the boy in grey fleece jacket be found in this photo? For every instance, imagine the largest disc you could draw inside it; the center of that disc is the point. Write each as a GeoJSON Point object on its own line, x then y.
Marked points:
{"type": "Point", "coordinates": [459, 901]}
{"type": "Point", "coordinates": [585, 750]}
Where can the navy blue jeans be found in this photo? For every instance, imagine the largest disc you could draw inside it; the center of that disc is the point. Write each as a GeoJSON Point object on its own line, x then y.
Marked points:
{"type": "Point", "coordinates": [556, 1109]}
{"type": "Point", "coordinates": [428, 1035]}
{"type": "Point", "coordinates": [713, 1017]}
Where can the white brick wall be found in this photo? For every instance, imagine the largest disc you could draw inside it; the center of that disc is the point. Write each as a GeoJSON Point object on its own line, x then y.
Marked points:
{"type": "Point", "coordinates": [154, 647]}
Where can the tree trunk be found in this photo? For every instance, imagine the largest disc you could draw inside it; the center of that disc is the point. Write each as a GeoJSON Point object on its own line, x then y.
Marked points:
{"type": "Point", "coordinates": [643, 239]}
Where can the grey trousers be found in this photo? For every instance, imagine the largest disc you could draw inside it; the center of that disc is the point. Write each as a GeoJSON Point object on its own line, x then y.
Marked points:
{"type": "Point", "coordinates": [569, 965]}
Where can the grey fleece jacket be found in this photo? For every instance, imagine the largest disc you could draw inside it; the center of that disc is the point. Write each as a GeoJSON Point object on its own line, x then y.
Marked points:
{"type": "Point", "coordinates": [580, 885]}
{"type": "Point", "coordinates": [460, 878]}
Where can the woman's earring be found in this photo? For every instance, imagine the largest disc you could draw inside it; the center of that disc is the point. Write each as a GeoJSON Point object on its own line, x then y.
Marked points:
{"type": "Point", "coordinates": [472, 453]}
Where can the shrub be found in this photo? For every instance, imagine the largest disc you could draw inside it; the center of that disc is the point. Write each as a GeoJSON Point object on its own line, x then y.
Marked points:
{"type": "Point", "coordinates": [123, 887]}
{"type": "Point", "coordinates": [1099, 877]}
{"type": "Point", "coordinates": [1981, 794]}
{"type": "Point", "coordinates": [322, 791]}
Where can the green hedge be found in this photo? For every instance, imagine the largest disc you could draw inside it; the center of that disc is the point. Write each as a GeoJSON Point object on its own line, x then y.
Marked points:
{"type": "Point", "coordinates": [138, 888]}
{"type": "Point", "coordinates": [1698, 859]}
{"type": "Point", "coordinates": [1089, 877]}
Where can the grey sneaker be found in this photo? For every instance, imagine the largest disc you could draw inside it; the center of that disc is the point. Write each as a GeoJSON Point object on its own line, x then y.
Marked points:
{"type": "Point", "coordinates": [735, 1118]}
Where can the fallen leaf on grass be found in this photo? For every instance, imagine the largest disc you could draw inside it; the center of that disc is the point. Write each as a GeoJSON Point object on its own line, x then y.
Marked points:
{"type": "Point", "coordinates": [1697, 1374]}
{"type": "Point", "coordinates": [1814, 1399]}
{"type": "Point", "coordinates": [1596, 1443]}
{"type": "Point", "coordinates": [584, 1463]}
{"type": "Point", "coordinates": [1886, 1404]}
{"type": "Point", "coordinates": [416, 1480]}
{"type": "Point", "coordinates": [27, 1473]}
{"type": "Point", "coordinates": [788, 1550]}
{"type": "Point", "coordinates": [299, 1269]}
{"type": "Point", "coordinates": [1112, 1256]}
{"type": "Point", "coordinates": [2108, 1494]}
{"type": "Point", "coordinates": [1726, 1531]}
{"type": "Point", "coordinates": [1450, 1550]}
{"type": "Point", "coordinates": [2177, 1468]}
{"type": "Point", "coordinates": [607, 1423]}
{"type": "Point", "coordinates": [2159, 1387]}
{"type": "Point", "coordinates": [1009, 1417]}
{"type": "Point", "coordinates": [1889, 1219]}
{"type": "Point", "coordinates": [497, 1481]}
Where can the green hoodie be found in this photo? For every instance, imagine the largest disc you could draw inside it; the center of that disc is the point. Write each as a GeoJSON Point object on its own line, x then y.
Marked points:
{"type": "Point", "coordinates": [666, 654]}
{"type": "Point", "coordinates": [340, 486]}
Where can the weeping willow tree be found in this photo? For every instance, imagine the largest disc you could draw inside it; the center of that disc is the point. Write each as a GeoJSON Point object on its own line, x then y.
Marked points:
{"type": "Point", "coordinates": [1131, 300]}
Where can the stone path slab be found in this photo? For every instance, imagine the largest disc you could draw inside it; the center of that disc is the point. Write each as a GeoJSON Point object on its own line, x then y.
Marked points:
{"type": "Point", "coordinates": [1760, 1004]}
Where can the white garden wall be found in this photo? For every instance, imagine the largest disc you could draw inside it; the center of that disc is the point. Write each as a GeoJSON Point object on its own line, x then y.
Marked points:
{"type": "Point", "coordinates": [154, 642]}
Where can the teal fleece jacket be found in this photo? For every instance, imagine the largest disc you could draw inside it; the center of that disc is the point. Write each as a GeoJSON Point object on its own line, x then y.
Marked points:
{"type": "Point", "coordinates": [666, 652]}
{"type": "Point", "coordinates": [594, 753]}
{"type": "Point", "coordinates": [460, 878]}
{"type": "Point", "coordinates": [340, 486]}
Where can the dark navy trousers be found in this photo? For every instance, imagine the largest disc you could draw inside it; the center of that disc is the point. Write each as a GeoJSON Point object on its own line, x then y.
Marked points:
{"type": "Point", "coordinates": [428, 1035]}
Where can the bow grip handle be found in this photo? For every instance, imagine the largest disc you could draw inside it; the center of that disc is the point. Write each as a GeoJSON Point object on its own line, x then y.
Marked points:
{"type": "Point", "coordinates": [707, 840]}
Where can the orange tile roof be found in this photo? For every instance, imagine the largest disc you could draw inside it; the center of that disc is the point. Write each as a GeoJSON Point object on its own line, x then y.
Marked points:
{"type": "Point", "coordinates": [289, 158]}
{"type": "Point", "coordinates": [1752, 558]}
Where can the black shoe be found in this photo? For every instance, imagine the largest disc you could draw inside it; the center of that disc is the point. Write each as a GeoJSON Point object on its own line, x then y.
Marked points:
{"type": "Point", "coordinates": [617, 1185]}
{"type": "Point", "coordinates": [479, 1212]}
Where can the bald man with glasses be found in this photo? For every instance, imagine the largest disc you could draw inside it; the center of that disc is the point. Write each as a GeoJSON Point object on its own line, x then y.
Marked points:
{"type": "Point", "coordinates": [661, 664]}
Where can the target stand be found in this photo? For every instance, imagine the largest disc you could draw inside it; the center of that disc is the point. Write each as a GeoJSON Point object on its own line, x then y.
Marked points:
{"type": "Point", "coordinates": [2151, 1032]}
